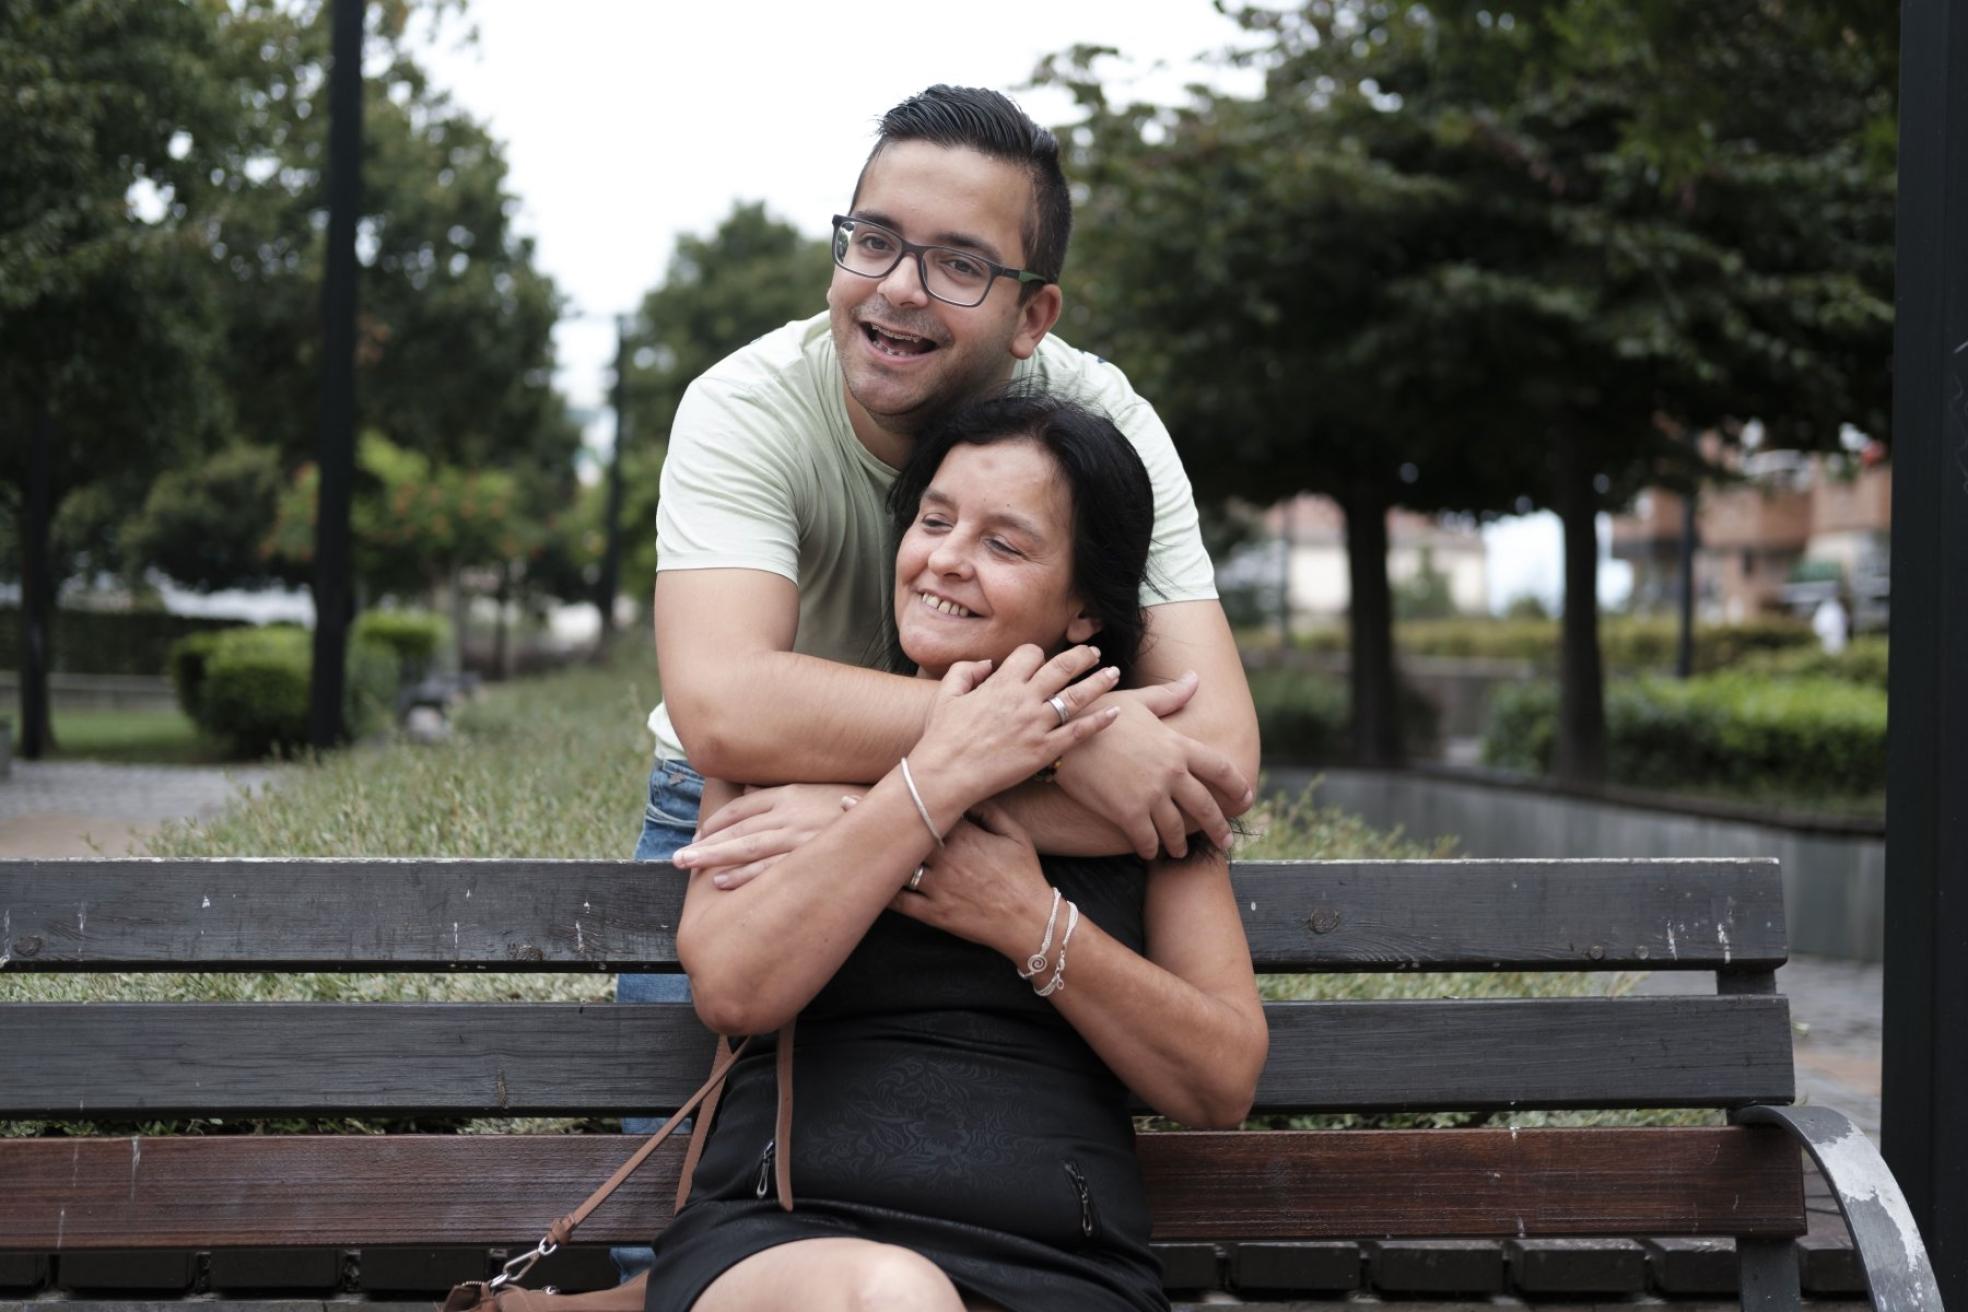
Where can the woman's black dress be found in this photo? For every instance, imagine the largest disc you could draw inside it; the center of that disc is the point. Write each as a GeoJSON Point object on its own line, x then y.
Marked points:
{"type": "Point", "coordinates": [942, 1106]}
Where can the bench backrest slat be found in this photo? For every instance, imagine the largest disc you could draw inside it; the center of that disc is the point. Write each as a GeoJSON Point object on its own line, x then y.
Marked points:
{"type": "Point", "coordinates": [502, 1189]}
{"type": "Point", "coordinates": [236, 1059]}
{"type": "Point", "coordinates": [349, 915]}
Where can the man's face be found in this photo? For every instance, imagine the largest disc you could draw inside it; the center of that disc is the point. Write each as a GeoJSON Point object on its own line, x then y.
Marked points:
{"type": "Point", "coordinates": [905, 353]}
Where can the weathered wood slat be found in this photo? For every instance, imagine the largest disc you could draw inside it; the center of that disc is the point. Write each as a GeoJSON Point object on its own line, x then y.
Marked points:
{"type": "Point", "coordinates": [96, 1193]}
{"type": "Point", "coordinates": [422, 914]}
{"type": "Point", "coordinates": [160, 1059]}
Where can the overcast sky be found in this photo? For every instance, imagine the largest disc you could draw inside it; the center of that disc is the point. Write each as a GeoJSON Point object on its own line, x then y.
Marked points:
{"type": "Point", "coordinates": [629, 123]}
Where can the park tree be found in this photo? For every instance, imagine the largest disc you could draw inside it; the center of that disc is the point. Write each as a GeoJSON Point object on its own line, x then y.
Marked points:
{"type": "Point", "coordinates": [721, 290]}
{"type": "Point", "coordinates": [1519, 255]}
{"type": "Point", "coordinates": [108, 325]}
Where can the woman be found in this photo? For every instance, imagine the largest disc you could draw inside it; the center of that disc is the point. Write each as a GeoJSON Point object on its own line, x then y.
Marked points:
{"type": "Point", "coordinates": [968, 1036]}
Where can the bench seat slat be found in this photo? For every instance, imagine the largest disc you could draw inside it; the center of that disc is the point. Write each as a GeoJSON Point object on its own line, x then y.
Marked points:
{"type": "Point", "coordinates": [145, 1060]}
{"type": "Point", "coordinates": [423, 914]}
{"type": "Point", "coordinates": [357, 1190]}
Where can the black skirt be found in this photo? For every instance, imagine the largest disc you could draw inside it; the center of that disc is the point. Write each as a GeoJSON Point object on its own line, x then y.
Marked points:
{"type": "Point", "coordinates": [940, 1106]}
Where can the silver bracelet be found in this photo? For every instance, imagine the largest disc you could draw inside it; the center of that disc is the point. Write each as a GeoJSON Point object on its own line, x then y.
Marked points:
{"type": "Point", "coordinates": [916, 797]}
{"type": "Point", "coordinates": [1058, 980]}
{"type": "Point", "coordinates": [1036, 963]}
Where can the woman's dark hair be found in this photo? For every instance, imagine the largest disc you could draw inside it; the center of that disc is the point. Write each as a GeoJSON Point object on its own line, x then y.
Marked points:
{"type": "Point", "coordinates": [1112, 497]}
{"type": "Point", "coordinates": [992, 124]}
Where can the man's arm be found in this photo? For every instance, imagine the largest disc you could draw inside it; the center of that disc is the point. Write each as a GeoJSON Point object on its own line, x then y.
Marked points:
{"type": "Point", "coordinates": [749, 708]}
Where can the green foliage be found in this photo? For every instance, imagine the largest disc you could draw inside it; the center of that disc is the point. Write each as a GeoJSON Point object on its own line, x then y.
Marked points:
{"type": "Point", "coordinates": [415, 637]}
{"type": "Point", "coordinates": [1804, 739]}
{"type": "Point", "coordinates": [138, 737]}
{"type": "Point", "coordinates": [1303, 716]}
{"type": "Point", "coordinates": [1862, 662]}
{"type": "Point", "coordinates": [186, 661]}
{"type": "Point", "coordinates": [254, 691]}
{"type": "Point", "coordinates": [208, 525]}
{"type": "Point", "coordinates": [1638, 643]}
{"type": "Point", "coordinates": [108, 641]}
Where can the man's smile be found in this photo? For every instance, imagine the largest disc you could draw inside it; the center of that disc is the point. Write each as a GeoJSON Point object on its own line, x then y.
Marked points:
{"type": "Point", "coordinates": [896, 345]}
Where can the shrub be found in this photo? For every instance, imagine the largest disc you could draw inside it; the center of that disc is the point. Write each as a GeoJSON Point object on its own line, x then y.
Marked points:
{"type": "Point", "coordinates": [186, 663]}
{"type": "Point", "coordinates": [109, 642]}
{"type": "Point", "coordinates": [1862, 662]}
{"type": "Point", "coordinates": [414, 636]}
{"type": "Point", "coordinates": [254, 693]}
{"type": "Point", "coordinates": [1804, 738]}
{"type": "Point", "coordinates": [1305, 716]}
{"type": "Point", "coordinates": [1646, 643]}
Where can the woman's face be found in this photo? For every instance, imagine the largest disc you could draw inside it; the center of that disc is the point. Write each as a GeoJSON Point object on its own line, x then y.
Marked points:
{"type": "Point", "coordinates": [988, 563]}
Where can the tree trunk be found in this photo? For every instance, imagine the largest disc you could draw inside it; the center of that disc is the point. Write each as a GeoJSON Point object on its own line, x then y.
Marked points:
{"type": "Point", "coordinates": [1581, 746]}
{"type": "Point", "coordinates": [1684, 644]}
{"type": "Point", "coordinates": [502, 634]}
{"type": "Point", "coordinates": [1370, 629]}
{"type": "Point", "coordinates": [37, 736]}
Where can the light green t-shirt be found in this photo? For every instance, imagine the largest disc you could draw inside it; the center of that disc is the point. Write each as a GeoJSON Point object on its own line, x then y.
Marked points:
{"type": "Point", "coordinates": [764, 472]}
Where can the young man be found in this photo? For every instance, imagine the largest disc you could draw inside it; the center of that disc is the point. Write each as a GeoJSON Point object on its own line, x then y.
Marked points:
{"type": "Point", "coordinates": [772, 545]}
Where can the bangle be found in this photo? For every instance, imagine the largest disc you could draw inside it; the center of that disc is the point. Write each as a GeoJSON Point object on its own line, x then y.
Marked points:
{"type": "Point", "coordinates": [916, 797]}
{"type": "Point", "coordinates": [1036, 963]}
{"type": "Point", "coordinates": [1058, 980]}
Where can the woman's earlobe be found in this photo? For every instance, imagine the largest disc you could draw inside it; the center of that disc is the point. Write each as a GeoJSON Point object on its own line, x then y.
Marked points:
{"type": "Point", "coordinates": [1081, 628]}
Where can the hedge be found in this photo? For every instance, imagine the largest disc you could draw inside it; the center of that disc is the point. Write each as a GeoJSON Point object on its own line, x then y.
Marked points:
{"type": "Point", "coordinates": [108, 642]}
{"type": "Point", "coordinates": [1646, 643]}
{"type": "Point", "coordinates": [1807, 738]}
{"type": "Point", "coordinates": [1308, 717]}
{"type": "Point", "coordinates": [1863, 662]}
{"type": "Point", "coordinates": [249, 687]}
{"type": "Point", "coordinates": [415, 636]}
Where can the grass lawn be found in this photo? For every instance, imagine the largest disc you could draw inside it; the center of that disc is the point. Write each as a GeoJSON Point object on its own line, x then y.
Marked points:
{"type": "Point", "coordinates": [133, 737]}
{"type": "Point", "coordinates": [558, 767]}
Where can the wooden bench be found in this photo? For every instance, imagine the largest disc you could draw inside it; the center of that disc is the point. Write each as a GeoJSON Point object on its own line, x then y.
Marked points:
{"type": "Point", "coordinates": [237, 1216]}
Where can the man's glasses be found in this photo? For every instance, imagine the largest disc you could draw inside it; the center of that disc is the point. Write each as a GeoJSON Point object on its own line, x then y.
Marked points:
{"type": "Point", "coordinates": [956, 277]}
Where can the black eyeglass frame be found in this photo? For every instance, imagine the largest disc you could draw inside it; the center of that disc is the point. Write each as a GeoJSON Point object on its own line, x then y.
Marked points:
{"type": "Point", "coordinates": [1024, 277]}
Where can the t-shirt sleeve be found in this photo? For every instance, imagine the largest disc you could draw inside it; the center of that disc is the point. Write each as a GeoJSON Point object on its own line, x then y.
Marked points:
{"type": "Point", "coordinates": [729, 486]}
{"type": "Point", "coordinates": [1179, 566]}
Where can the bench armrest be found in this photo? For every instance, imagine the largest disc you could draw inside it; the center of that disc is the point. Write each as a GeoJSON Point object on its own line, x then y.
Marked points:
{"type": "Point", "coordinates": [1898, 1273]}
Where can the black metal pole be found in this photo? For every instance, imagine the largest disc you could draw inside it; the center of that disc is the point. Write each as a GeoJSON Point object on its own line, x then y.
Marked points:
{"type": "Point", "coordinates": [610, 584]}
{"type": "Point", "coordinates": [337, 450]}
{"type": "Point", "coordinates": [1684, 645]}
{"type": "Point", "coordinates": [1924, 1135]}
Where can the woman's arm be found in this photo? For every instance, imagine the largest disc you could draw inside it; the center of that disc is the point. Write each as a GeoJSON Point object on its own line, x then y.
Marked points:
{"type": "Point", "coordinates": [758, 953]}
{"type": "Point", "coordinates": [1182, 1026]}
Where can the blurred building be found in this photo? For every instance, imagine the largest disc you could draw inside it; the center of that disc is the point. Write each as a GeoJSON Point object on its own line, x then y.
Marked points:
{"type": "Point", "coordinates": [1797, 530]}
{"type": "Point", "coordinates": [1425, 557]}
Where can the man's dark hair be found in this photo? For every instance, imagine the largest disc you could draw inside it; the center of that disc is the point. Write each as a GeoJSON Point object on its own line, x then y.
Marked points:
{"type": "Point", "coordinates": [1112, 496]}
{"type": "Point", "coordinates": [992, 124]}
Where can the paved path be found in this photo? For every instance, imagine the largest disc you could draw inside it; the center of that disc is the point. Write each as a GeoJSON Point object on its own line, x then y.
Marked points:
{"type": "Point", "coordinates": [90, 808]}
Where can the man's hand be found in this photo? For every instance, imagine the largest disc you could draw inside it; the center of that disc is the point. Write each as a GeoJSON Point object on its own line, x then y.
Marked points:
{"type": "Point", "coordinates": [745, 836]}
{"type": "Point", "coordinates": [1155, 784]}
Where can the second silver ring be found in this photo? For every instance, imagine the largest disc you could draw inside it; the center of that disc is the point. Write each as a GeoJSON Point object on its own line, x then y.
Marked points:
{"type": "Point", "coordinates": [915, 880]}
{"type": "Point", "coordinates": [1058, 705]}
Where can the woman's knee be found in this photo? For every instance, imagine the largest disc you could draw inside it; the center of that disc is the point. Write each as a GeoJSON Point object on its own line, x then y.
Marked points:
{"type": "Point", "coordinates": [834, 1275]}
{"type": "Point", "coordinates": [891, 1279]}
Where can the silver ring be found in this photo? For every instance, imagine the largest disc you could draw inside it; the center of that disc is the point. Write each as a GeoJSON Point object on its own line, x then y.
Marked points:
{"type": "Point", "coordinates": [916, 879]}
{"type": "Point", "coordinates": [1058, 705]}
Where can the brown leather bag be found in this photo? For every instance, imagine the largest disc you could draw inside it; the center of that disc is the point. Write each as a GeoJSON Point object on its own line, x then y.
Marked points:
{"type": "Point", "coordinates": [503, 1293]}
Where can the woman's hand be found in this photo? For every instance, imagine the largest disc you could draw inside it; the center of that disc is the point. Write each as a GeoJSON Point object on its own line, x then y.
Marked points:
{"type": "Point", "coordinates": [745, 836]}
{"type": "Point", "coordinates": [985, 886]}
{"type": "Point", "coordinates": [991, 729]}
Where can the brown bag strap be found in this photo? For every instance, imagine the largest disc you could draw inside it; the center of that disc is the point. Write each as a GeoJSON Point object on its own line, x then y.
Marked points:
{"type": "Point", "coordinates": [713, 1088]}
{"type": "Point", "coordinates": [705, 1115]}
{"type": "Point", "coordinates": [782, 1128]}
{"type": "Point", "coordinates": [560, 1231]}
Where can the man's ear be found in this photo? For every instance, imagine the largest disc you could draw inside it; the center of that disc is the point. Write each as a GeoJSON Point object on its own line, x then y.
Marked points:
{"type": "Point", "coordinates": [1081, 628]}
{"type": "Point", "coordinates": [1035, 319]}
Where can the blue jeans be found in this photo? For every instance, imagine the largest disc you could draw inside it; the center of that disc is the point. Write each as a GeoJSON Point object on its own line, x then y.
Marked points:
{"type": "Point", "coordinates": [668, 821]}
